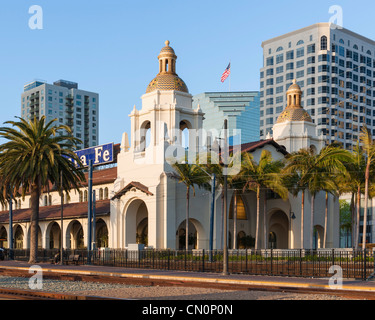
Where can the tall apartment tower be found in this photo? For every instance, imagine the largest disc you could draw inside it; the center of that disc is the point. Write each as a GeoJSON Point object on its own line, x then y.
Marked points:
{"type": "Point", "coordinates": [335, 69]}
{"type": "Point", "coordinates": [62, 100]}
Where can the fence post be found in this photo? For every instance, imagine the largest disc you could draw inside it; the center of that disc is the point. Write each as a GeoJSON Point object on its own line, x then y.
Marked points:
{"type": "Point", "coordinates": [300, 262]}
{"type": "Point", "coordinates": [365, 265]}
{"type": "Point", "coordinates": [203, 261]}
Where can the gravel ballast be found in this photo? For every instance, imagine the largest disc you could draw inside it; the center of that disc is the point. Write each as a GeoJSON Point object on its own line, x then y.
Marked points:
{"type": "Point", "coordinates": [123, 291]}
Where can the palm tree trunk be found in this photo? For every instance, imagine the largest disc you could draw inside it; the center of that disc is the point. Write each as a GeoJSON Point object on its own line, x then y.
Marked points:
{"type": "Point", "coordinates": [312, 220]}
{"type": "Point", "coordinates": [325, 222]}
{"type": "Point", "coordinates": [34, 222]}
{"type": "Point", "coordinates": [187, 219]}
{"type": "Point", "coordinates": [257, 223]}
{"type": "Point", "coordinates": [265, 220]}
{"type": "Point", "coordinates": [352, 210]}
{"type": "Point", "coordinates": [302, 217]}
{"type": "Point", "coordinates": [358, 216]}
{"type": "Point", "coordinates": [364, 232]}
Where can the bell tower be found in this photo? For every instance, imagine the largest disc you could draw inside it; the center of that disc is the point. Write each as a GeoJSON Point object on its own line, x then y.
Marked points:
{"type": "Point", "coordinates": [294, 128]}
{"type": "Point", "coordinates": [166, 109]}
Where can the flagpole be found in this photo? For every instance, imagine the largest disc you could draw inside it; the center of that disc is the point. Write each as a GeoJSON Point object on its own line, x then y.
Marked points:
{"type": "Point", "coordinates": [230, 73]}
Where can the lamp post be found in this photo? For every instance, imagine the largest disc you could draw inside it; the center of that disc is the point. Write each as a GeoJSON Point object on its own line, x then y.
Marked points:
{"type": "Point", "coordinates": [89, 213]}
{"type": "Point", "coordinates": [212, 215]}
{"type": "Point", "coordinates": [61, 222]}
{"type": "Point", "coordinates": [10, 227]}
{"type": "Point", "coordinates": [225, 248]}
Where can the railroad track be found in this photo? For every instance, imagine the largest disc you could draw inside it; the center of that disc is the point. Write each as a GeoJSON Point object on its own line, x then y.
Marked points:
{"type": "Point", "coordinates": [37, 295]}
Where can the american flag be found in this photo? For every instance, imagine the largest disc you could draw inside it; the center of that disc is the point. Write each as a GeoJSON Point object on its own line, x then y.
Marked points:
{"type": "Point", "coordinates": [226, 73]}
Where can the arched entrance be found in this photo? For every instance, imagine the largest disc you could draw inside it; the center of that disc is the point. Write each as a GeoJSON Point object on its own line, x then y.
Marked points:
{"type": "Point", "coordinates": [3, 237]}
{"type": "Point", "coordinates": [197, 236]}
{"type": "Point", "coordinates": [74, 235]}
{"type": "Point", "coordinates": [101, 234]}
{"type": "Point", "coordinates": [318, 237]}
{"type": "Point", "coordinates": [40, 244]}
{"type": "Point", "coordinates": [136, 223]}
{"type": "Point", "coordinates": [18, 237]}
{"type": "Point", "coordinates": [278, 230]}
{"type": "Point", "coordinates": [54, 236]}
{"type": "Point", "coordinates": [181, 236]}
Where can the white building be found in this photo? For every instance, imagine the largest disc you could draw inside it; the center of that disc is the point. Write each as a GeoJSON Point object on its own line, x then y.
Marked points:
{"type": "Point", "coordinates": [62, 100]}
{"type": "Point", "coordinates": [335, 69]}
{"type": "Point", "coordinates": [147, 206]}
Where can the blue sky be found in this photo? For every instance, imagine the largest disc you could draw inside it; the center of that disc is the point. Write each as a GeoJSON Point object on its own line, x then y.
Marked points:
{"type": "Point", "coordinates": [111, 47]}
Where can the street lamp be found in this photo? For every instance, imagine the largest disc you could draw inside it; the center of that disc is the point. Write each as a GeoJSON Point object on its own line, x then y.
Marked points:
{"type": "Point", "coordinates": [213, 183]}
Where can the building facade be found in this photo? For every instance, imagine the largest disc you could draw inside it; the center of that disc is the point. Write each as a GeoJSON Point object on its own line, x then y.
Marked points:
{"type": "Point", "coordinates": [335, 69]}
{"type": "Point", "coordinates": [139, 201]}
{"type": "Point", "coordinates": [241, 109]}
{"type": "Point", "coordinates": [62, 100]}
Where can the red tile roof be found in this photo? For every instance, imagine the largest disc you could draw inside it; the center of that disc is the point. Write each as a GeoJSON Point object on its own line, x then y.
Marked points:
{"type": "Point", "coordinates": [70, 211]}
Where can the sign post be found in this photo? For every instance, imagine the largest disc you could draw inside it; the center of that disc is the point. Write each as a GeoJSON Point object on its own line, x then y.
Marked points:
{"type": "Point", "coordinates": [89, 213]}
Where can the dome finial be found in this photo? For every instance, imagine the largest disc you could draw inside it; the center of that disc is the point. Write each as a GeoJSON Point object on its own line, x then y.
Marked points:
{"type": "Point", "coordinates": [294, 81]}
{"type": "Point", "coordinates": [167, 43]}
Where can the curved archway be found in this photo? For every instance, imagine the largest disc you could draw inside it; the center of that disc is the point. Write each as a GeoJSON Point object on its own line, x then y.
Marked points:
{"type": "Point", "coordinates": [3, 237]}
{"type": "Point", "coordinates": [18, 237]}
{"type": "Point", "coordinates": [196, 235]}
{"type": "Point", "coordinates": [53, 236]}
{"type": "Point", "coordinates": [101, 234]}
{"type": "Point", "coordinates": [74, 235]}
{"type": "Point", "coordinates": [278, 230]}
{"type": "Point", "coordinates": [136, 222]}
{"type": "Point", "coordinates": [318, 236]}
{"type": "Point", "coordinates": [184, 127]}
{"type": "Point", "coordinates": [145, 135]}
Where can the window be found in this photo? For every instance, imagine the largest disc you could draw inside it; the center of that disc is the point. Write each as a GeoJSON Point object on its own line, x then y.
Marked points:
{"type": "Point", "coordinates": [269, 62]}
{"type": "Point", "coordinates": [290, 66]}
{"type": "Point", "coordinates": [279, 58]}
{"type": "Point", "coordinates": [311, 48]}
{"type": "Point", "coordinates": [300, 52]}
{"type": "Point", "coordinates": [280, 69]}
{"type": "Point", "coordinates": [311, 60]}
{"type": "Point", "coordinates": [323, 43]}
{"type": "Point", "coordinates": [290, 55]}
{"type": "Point", "coordinates": [279, 49]}
{"type": "Point", "coordinates": [300, 63]}
{"type": "Point", "coordinates": [300, 74]}
{"type": "Point", "coordinates": [300, 42]}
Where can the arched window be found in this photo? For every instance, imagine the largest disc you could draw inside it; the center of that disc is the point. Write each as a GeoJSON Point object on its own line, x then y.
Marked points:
{"type": "Point", "coordinates": [279, 49]}
{"type": "Point", "coordinates": [105, 193]}
{"type": "Point", "coordinates": [101, 194]}
{"type": "Point", "coordinates": [300, 42]}
{"type": "Point", "coordinates": [85, 196]}
{"type": "Point", "coordinates": [341, 41]}
{"type": "Point", "coordinates": [355, 47]}
{"type": "Point", "coordinates": [80, 196]}
{"type": "Point", "coordinates": [50, 200]}
{"type": "Point", "coordinates": [323, 43]}
{"type": "Point", "coordinates": [369, 52]}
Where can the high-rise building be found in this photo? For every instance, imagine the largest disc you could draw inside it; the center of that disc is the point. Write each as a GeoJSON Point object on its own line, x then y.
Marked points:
{"type": "Point", "coordinates": [241, 109]}
{"type": "Point", "coordinates": [335, 69]}
{"type": "Point", "coordinates": [62, 100]}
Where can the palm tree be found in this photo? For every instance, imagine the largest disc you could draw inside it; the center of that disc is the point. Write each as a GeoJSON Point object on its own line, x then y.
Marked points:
{"type": "Point", "coordinates": [190, 175]}
{"type": "Point", "coordinates": [33, 157]}
{"type": "Point", "coordinates": [263, 175]}
{"type": "Point", "coordinates": [312, 170]}
{"type": "Point", "coordinates": [368, 146]}
{"type": "Point", "coordinates": [352, 181]}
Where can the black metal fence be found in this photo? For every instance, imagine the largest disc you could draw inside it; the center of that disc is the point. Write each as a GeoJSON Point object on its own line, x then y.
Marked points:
{"type": "Point", "coordinates": [294, 263]}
